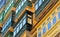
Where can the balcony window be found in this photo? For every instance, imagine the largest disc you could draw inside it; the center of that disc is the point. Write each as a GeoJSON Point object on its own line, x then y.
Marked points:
{"type": "Point", "coordinates": [14, 33]}
{"type": "Point", "coordinates": [59, 15]}
{"type": "Point", "coordinates": [40, 2]}
{"type": "Point", "coordinates": [44, 30]}
{"type": "Point", "coordinates": [24, 21]}
{"type": "Point", "coordinates": [20, 25]}
{"type": "Point", "coordinates": [29, 21]}
{"type": "Point", "coordinates": [29, 16]}
{"type": "Point", "coordinates": [18, 29]}
{"type": "Point", "coordinates": [54, 20]}
{"type": "Point", "coordinates": [49, 25]}
{"type": "Point", "coordinates": [22, 3]}
{"type": "Point", "coordinates": [36, 6]}
{"type": "Point", "coordinates": [17, 9]}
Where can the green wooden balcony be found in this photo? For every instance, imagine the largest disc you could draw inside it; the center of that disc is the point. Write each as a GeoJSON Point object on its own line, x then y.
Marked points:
{"type": "Point", "coordinates": [24, 23]}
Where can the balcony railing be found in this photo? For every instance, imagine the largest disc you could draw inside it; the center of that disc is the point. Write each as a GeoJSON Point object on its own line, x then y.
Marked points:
{"type": "Point", "coordinates": [24, 23]}
{"type": "Point", "coordinates": [41, 7]}
{"type": "Point", "coordinates": [7, 25]}
{"type": "Point", "coordinates": [21, 7]}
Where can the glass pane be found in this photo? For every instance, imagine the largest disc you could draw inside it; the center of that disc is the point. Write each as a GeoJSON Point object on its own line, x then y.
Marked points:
{"type": "Point", "coordinates": [40, 2]}
{"type": "Point", "coordinates": [29, 21]}
{"type": "Point", "coordinates": [24, 21]}
{"type": "Point", "coordinates": [17, 29]}
{"type": "Point", "coordinates": [44, 30]}
{"type": "Point", "coordinates": [49, 25]}
{"type": "Point", "coordinates": [17, 10]}
{"type": "Point", "coordinates": [22, 3]}
{"type": "Point", "coordinates": [14, 33]}
{"type": "Point", "coordinates": [20, 25]}
{"type": "Point", "coordinates": [54, 20]}
{"type": "Point", "coordinates": [29, 16]}
{"type": "Point", "coordinates": [59, 15]}
{"type": "Point", "coordinates": [36, 6]}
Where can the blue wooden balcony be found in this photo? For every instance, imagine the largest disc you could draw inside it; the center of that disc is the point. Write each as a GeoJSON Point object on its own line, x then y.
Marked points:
{"type": "Point", "coordinates": [6, 25]}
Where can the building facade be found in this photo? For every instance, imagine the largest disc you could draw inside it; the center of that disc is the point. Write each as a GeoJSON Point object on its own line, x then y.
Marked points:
{"type": "Point", "coordinates": [30, 18]}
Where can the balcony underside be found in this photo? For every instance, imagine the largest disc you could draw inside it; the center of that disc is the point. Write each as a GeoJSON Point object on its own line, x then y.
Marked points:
{"type": "Point", "coordinates": [25, 27]}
